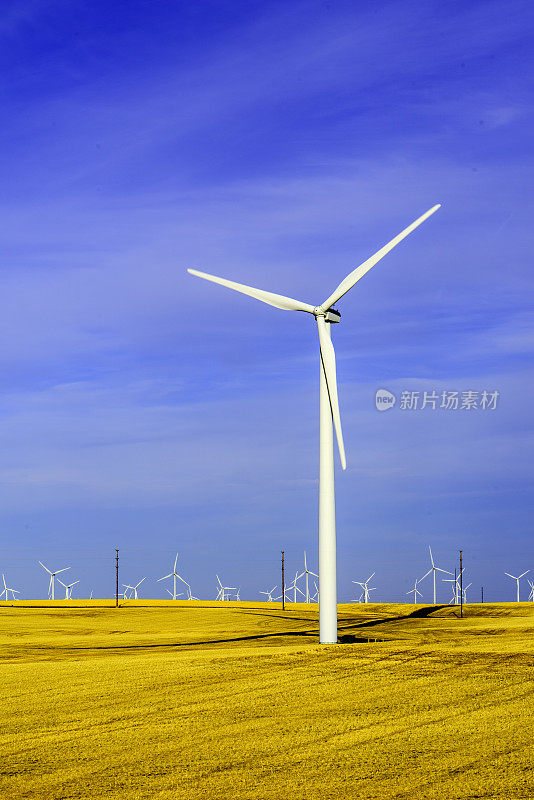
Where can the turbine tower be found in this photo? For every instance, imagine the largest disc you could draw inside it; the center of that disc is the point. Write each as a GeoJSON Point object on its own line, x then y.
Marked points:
{"type": "Point", "coordinates": [433, 569]}
{"type": "Point", "coordinates": [329, 417]}
{"type": "Point", "coordinates": [517, 579]}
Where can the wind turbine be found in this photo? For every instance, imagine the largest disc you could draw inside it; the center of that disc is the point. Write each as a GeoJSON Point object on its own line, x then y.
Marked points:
{"type": "Point", "coordinates": [433, 569]}
{"type": "Point", "coordinates": [269, 593]}
{"type": "Point", "coordinates": [52, 579]}
{"type": "Point", "coordinates": [329, 417]}
{"type": "Point", "coordinates": [365, 587]}
{"type": "Point", "coordinates": [517, 579]}
{"type": "Point", "coordinates": [175, 575]}
{"type": "Point", "coordinates": [465, 592]}
{"type": "Point", "coordinates": [531, 595]}
{"type": "Point", "coordinates": [132, 589]}
{"type": "Point", "coordinates": [68, 588]}
{"type": "Point", "coordinates": [7, 589]}
{"type": "Point", "coordinates": [454, 601]}
{"type": "Point", "coordinates": [224, 591]}
{"type": "Point", "coordinates": [293, 586]}
{"type": "Point", "coordinates": [135, 588]}
{"type": "Point", "coordinates": [306, 573]}
{"type": "Point", "coordinates": [415, 591]}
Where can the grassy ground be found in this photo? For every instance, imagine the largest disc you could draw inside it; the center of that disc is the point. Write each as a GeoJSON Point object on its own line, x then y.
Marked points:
{"type": "Point", "coordinates": [195, 700]}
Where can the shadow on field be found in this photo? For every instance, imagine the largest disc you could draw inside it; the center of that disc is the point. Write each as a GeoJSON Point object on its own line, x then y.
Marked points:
{"type": "Point", "coordinates": [313, 633]}
{"type": "Point", "coordinates": [419, 613]}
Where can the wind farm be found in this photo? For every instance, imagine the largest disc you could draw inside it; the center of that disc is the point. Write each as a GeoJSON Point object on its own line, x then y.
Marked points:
{"type": "Point", "coordinates": [248, 554]}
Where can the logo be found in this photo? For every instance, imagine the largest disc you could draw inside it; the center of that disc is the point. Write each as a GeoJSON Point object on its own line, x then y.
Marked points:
{"type": "Point", "coordinates": [384, 400]}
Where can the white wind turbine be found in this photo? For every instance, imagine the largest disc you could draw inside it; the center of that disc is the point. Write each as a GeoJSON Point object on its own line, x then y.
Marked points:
{"type": "Point", "coordinates": [455, 586]}
{"type": "Point", "coordinates": [175, 575]}
{"type": "Point", "coordinates": [433, 569]}
{"type": "Point", "coordinates": [132, 589]}
{"type": "Point", "coordinates": [329, 415]}
{"type": "Point", "coordinates": [6, 589]}
{"type": "Point", "coordinates": [517, 579]}
{"type": "Point", "coordinates": [365, 587]}
{"type": "Point", "coordinates": [52, 579]}
{"type": "Point", "coordinates": [531, 595]}
{"type": "Point", "coordinates": [68, 588]}
{"type": "Point", "coordinates": [464, 592]}
{"type": "Point", "coordinates": [293, 586]}
{"type": "Point", "coordinates": [415, 591]}
{"type": "Point", "coordinates": [305, 575]}
{"type": "Point", "coordinates": [269, 593]}
{"type": "Point", "coordinates": [224, 591]}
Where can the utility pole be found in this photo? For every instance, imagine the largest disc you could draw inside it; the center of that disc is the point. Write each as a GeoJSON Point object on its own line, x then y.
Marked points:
{"type": "Point", "coordinates": [117, 577]}
{"type": "Point", "coordinates": [461, 587]}
{"type": "Point", "coordinates": [283, 585]}
{"type": "Point", "coordinates": [482, 594]}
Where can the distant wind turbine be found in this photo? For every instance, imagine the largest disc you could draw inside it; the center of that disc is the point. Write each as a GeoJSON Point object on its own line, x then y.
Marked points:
{"type": "Point", "coordinates": [415, 591]}
{"type": "Point", "coordinates": [455, 586]}
{"type": "Point", "coordinates": [433, 569]}
{"type": "Point", "coordinates": [365, 587]}
{"type": "Point", "coordinates": [6, 589]}
{"type": "Point", "coordinates": [133, 590]}
{"type": "Point", "coordinates": [52, 579]}
{"type": "Point", "coordinates": [175, 575]}
{"type": "Point", "coordinates": [517, 579]}
{"type": "Point", "coordinates": [269, 593]}
{"type": "Point", "coordinates": [68, 588]}
{"type": "Point", "coordinates": [305, 575]}
{"type": "Point", "coordinates": [293, 586]}
{"type": "Point", "coordinates": [329, 416]}
{"type": "Point", "coordinates": [224, 591]}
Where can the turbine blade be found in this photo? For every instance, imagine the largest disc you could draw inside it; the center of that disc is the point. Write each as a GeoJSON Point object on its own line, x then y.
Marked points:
{"type": "Point", "coordinates": [425, 575]}
{"type": "Point", "coordinates": [164, 577]}
{"type": "Point", "coordinates": [61, 570]}
{"type": "Point", "coordinates": [360, 271]}
{"type": "Point", "coordinates": [43, 566]}
{"type": "Point", "coordinates": [431, 559]}
{"type": "Point", "coordinates": [276, 300]}
{"type": "Point", "coordinates": [328, 358]}
{"type": "Point", "coordinates": [523, 573]}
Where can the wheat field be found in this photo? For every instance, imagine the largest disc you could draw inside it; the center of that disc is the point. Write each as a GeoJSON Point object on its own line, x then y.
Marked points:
{"type": "Point", "coordinates": [238, 700]}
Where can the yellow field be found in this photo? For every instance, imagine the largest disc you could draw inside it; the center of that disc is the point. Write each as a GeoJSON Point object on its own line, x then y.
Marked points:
{"type": "Point", "coordinates": [204, 700]}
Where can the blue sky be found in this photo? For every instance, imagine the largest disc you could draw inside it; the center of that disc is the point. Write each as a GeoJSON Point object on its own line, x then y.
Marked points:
{"type": "Point", "coordinates": [276, 144]}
